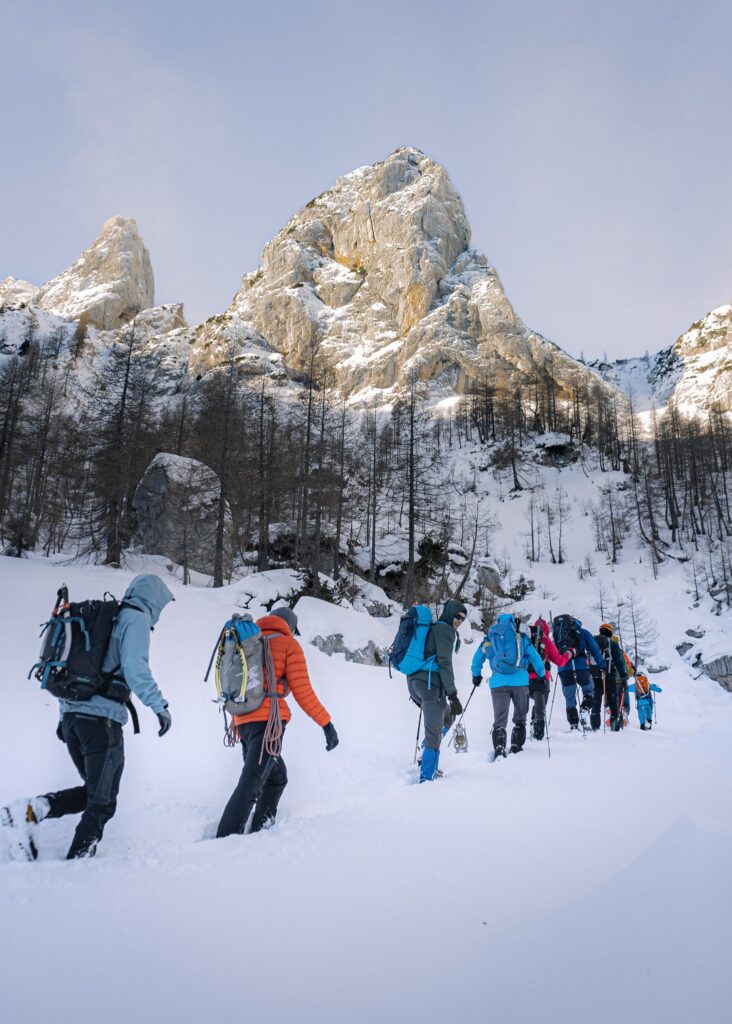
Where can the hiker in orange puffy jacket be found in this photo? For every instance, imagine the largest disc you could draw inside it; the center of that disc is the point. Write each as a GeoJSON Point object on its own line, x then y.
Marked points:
{"type": "Point", "coordinates": [539, 688]}
{"type": "Point", "coordinates": [264, 777]}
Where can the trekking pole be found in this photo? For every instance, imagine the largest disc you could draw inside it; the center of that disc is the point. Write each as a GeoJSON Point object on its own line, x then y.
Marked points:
{"type": "Point", "coordinates": [548, 744]}
{"type": "Point", "coordinates": [456, 724]}
{"type": "Point", "coordinates": [416, 745]}
{"type": "Point", "coordinates": [551, 710]}
{"type": "Point", "coordinates": [604, 703]}
{"type": "Point", "coordinates": [577, 688]}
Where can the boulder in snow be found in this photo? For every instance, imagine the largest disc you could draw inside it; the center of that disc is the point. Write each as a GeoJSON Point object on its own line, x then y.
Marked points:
{"type": "Point", "coordinates": [720, 669]}
{"type": "Point", "coordinates": [336, 630]}
{"type": "Point", "coordinates": [177, 504]}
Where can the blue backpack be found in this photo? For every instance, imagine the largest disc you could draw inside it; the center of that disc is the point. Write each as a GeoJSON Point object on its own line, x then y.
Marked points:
{"type": "Point", "coordinates": [406, 654]}
{"type": "Point", "coordinates": [506, 645]}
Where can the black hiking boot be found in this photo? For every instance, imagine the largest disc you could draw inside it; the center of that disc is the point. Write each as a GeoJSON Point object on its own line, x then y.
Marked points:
{"type": "Point", "coordinates": [573, 717]}
{"type": "Point", "coordinates": [518, 738]}
{"type": "Point", "coordinates": [537, 727]}
{"type": "Point", "coordinates": [499, 742]}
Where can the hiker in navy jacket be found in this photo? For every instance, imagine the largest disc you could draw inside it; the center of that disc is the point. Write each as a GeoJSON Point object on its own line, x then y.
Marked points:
{"type": "Point", "coordinates": [577, 672]}
{"type": "Point", "coordinates": [610, 684]}
{"type": "Point", "coordinates": [508, 682]}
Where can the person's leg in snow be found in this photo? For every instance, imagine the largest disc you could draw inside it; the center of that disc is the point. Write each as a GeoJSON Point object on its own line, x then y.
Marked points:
{"type": "Point", "coordinates": [501, 698]}
{"type": "Point", "coordinates": [96, 746]}
{"type": "Point", "coordinates": [520, 698]}
{"type": "Point", "coordinates": [435, 712]}
{"type": "Point", "coordinates": [569, 689]}
{"type": "Point", "coordinates": [252, 786]}
{"type": "Point", "coordinates": [539, 691]}
{"type": "Point", "coordinates": [265, 809]}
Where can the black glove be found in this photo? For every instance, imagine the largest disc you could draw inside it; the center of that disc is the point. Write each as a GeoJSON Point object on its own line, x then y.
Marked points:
{"type": "Point", "coordinates": [60, 731]}
{"type": "Point", "coordinates": [331, 736]}
{"type": "Point", "coordinates": [572, 653]}
{"type": "Point", "coordinates": [455, 705]}
{"type": "Point", "coordinates": [477, 680]}
{"type": "Point", "coordinates": [165, 721]}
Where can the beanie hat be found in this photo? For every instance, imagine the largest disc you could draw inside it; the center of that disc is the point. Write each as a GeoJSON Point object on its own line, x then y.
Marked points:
{"type": "Point", "coordinates": [606, 629]}
{"type": "Point", "coordinates": [288, 616]}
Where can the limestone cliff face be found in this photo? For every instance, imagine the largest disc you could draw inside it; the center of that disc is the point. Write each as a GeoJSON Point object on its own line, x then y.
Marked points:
{"type": "Point", "coordinates": [110, 283]}
{"type": "Point", "coordinates": [14, 292]}
{"type": "Point", "coordinates": [376, 279]}
{"type": "Point", "coordinates": [694, 373]}
{"type": "Point", "coordinates": [704, 360]}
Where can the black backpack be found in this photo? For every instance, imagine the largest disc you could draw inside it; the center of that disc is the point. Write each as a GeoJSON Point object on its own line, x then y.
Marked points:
{"type": "Point", "coordinates": [75, 642]}
{"type": "Point", "coordinates": [566, 634]}
{"type": "Point", "coordinates": [536, 635]}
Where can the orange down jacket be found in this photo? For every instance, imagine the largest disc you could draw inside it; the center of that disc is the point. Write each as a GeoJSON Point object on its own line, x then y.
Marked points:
{"type": "Point", "coordinates": [289, 661]}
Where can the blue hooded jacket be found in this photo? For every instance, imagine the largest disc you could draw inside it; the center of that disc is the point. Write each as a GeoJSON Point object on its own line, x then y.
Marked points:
{"type": "Point", "coordinates": [129, 648]}
{"type": "Point", "coordinates": [580, 664]}
{"type": "Point", "coordinates": [518, 678]}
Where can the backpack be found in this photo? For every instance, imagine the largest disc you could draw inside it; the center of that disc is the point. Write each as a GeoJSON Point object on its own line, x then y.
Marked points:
{"type": "Point", "coordinates": [406, 653]}
{"type": "Point", "coordinates": [242, 654]}
{"type": "Point", "coordinates": [642, 687]}
{"type": "Point", "coordinates": [566, 634]}
{"type": "Point", "coordinates": [606, 647]}
{"type": "Point", "coordinates": [506, 644]}
{"type": "Point", "coordinates": [538, 641]}
{"type": "Point", "coordinates": [75, 642]}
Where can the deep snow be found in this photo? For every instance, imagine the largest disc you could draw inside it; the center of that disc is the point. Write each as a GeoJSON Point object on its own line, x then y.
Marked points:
{"type": "Point", "coordinates": [590, 886]}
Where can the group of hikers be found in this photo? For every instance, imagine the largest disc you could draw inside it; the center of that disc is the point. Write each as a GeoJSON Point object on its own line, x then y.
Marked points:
{"type": "Point", "coordinates": [95, 656]}
{"type": "Point", "coordinates": [520, 658]}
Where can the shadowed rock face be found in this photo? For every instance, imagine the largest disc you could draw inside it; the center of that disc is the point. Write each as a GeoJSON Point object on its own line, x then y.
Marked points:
{"type": "Point", "coordinates": [375, 278]}
{"type": "Point", "coordinates": [109, 284]}
{"type": "Point", "coordinates": [177, 505]}
{"type": "Point", "coordinates": [720, 669]}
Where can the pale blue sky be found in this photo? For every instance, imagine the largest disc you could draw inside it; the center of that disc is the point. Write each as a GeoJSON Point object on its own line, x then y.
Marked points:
{"type": "Point", "coordinates": [590, 141]}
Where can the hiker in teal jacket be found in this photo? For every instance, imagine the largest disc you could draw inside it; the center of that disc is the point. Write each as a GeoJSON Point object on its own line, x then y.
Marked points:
{"type": "Point", "coordinates": [433, 690]}
{"type": "Point", "coordinates": [509, 679]}
{"type": "Point", "coordinates": [644, 700]}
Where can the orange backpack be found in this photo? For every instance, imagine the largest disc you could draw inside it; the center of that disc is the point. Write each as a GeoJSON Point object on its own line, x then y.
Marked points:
{"type": "Point", "coordinates": [642, 686]}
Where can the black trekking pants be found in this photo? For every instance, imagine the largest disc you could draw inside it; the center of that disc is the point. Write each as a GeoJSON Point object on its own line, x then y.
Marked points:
{"type": "Point", "coordinates": [96, 747]}
{"type": "Point", "coordinates": [612, 691]}
{"type": "Point", "coordinates": [261, 784]}
{"type": "Point", "coordinates": [539, 692]}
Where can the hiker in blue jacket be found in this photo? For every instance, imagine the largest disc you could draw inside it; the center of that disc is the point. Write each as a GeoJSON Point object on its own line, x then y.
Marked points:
{"type": "Point", "coordinates": [569, 632]}
{"type": "Point", "coordinates": [644, 701]}
{"type": "Point", "coordinates": [433, 689]}
{"type": "Point", "coordinates": [92, 729]}
{"type": "Point", "coordinates": [510, 653]}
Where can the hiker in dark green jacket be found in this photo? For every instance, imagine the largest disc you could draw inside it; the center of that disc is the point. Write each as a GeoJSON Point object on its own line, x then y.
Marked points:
{"type": "Point", "coordinates": [434, 691]}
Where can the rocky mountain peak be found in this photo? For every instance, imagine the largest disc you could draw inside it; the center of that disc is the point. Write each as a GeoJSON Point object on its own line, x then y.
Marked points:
{"type": "Point", "coordinates": [375, 278]}
{"type": "Point", "coordinates": [110, 282]}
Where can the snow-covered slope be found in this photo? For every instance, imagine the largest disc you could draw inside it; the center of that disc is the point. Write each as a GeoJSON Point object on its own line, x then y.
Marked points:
{"type": "Point", "coordinates": [590, 884]}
